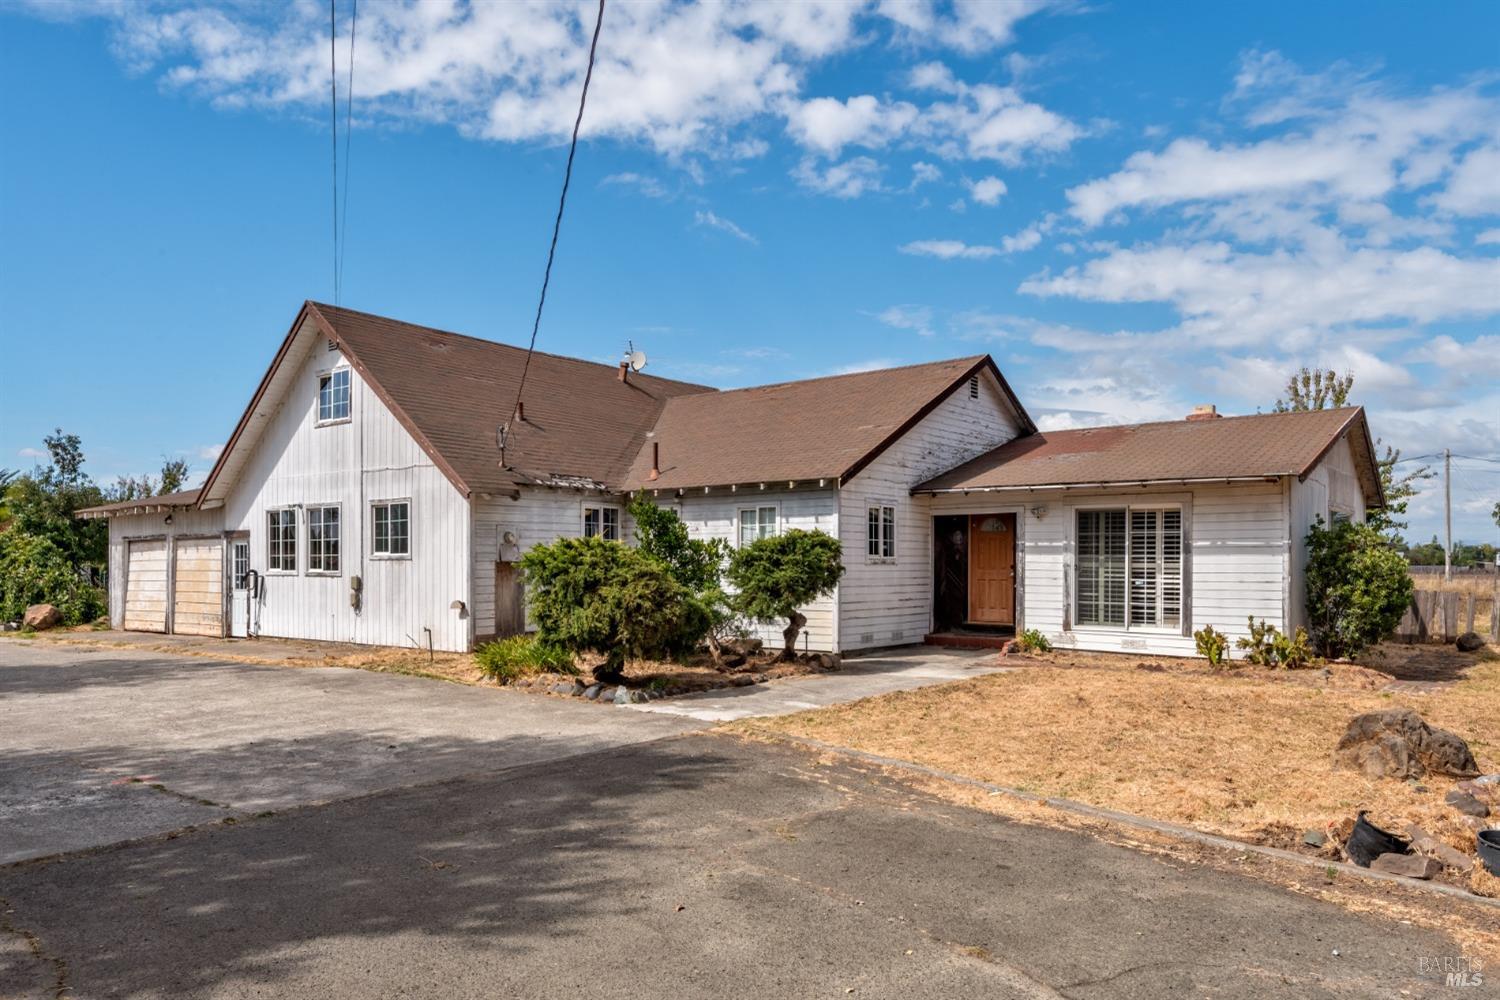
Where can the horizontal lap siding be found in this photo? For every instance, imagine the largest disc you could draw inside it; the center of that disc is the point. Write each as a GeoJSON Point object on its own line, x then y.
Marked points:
{"type": "Point", "coordinates": [1237, 553]}
{"type": "Point", "coordinates": [198, 587]}
{"type": "Point", "coordinates": [352, 464]}
{"type": "Point", "coordinates": [716, 515]}
{"type": "Point", "coordinates": [883, 603]}
{"type": "Point", "coordinates": [145, 589]}
{"type": "Point", "coordinates": [141, 526]}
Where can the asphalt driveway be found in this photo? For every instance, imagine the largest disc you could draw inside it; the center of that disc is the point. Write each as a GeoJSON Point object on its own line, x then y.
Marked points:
{"type": "Point", "coordinates": [99, 745]}
{"type": "Point", "coordinates": [695, 866]}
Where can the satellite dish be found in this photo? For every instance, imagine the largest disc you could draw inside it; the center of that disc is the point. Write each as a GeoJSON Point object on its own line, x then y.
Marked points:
{"type": "Point", "coordinates": [637, 360]}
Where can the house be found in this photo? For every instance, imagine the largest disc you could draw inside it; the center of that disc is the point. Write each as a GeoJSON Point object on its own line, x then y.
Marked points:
{"type": "Point", "coordinates": [376, 490]}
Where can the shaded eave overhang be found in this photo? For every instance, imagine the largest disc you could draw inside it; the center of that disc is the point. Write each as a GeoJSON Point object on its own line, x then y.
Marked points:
{"type": "Point", "coordinates": [146, 505]}
{"type": "Point", "coordinates": [1113, 484]}
{"type": "Point", "coordinates": [310, 313]}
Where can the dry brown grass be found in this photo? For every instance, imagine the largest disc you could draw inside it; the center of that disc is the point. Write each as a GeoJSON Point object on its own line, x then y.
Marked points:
{"type": "Point", "coordinates": [1244, 753]}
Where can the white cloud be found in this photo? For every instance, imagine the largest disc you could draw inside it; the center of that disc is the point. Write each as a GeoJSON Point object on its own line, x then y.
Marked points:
{"type": "Point", "coordinates": [1488, 237]}
{"type": "Point", "coordinates": [827, 125]}
{"type": "Point", "coordinates": [1479, 357]}
{"type": "Point", "coordinates": [644, 183]}
{"type": "Point", "coordinates": [971, 26]}
{"type": "Point", "coordinates": [723, 225]}
{"type": "Point", "coordinates": [987, 190]}
{"type": "Point", "coordinates": [926, 173]}
{"type": "Point", "coordinates": [917, 319]}
{"type": "Point", "coordinates": [31, 453]}
{"type": "Point", "coordinates": [848, 179]}
{"type": "Point", "coordinates": [870, 365]}
{"type": "Point", "coordinates": [1474, 188]}
{"type": "Point", "coordinates": [1026, 239]}
{"type": "Point", "coordinates": [948, 249]}
{"type": "Point", "coordinates": [209, 452]}
{"type": "Point", "coordinates": [986, 122]}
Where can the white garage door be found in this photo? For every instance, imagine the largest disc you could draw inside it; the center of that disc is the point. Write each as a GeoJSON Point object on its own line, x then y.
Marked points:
{"type": "Point", "coordinates": [146, 586]}
{"type": "Point", "coordinates": [198, 591]}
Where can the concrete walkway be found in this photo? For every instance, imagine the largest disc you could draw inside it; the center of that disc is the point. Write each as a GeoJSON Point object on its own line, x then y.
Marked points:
{"type": "Point", "coordinates": [862, 677]}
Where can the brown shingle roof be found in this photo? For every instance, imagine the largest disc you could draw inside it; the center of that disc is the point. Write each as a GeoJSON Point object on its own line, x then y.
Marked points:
{"type": "Point", "coordinates": [1269, 444]}
{"type": "Point", "coordinates": [140, 505]}
{"type": "Point", "coordinates": [455, 391]}
{"type": "Point", "coordinates": [822, 428]}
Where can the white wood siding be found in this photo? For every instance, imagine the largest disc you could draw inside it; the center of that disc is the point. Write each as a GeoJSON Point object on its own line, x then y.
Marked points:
{"type": "Point", "coordinates": [370, 457]}
{"type": "Point", "coordinates": [145, 586]}
{"type": "Point", "coordinates": [1237, 555]}
{"type": "Point", "coordinates": [198, 586]}
{"type": "Point", "coordinates": [186, 523]}
{"type": "Point", "coordinates": [1332, 486]}
{"type": "Point", "coordinates": [890, 603]}
{"type": "Point", "coordinates": [539, 516]}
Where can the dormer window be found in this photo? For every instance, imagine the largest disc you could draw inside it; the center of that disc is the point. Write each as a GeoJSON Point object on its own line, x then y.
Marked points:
{"type": "Point", "coordinates": [333, 396]}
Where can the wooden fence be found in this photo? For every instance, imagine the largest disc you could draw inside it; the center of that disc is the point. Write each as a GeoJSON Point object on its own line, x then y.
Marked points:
{"type": "Point", "coordinates": [1442, 615]}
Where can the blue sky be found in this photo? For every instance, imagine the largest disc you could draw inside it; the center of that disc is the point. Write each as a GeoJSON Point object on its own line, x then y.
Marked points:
{"type": "Point", "coordinates": [1133, 207]}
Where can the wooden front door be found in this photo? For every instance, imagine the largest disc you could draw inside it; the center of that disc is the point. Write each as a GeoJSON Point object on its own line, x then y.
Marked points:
{"type": "Point", "coordinates": [510, 603]}
{"type": "Point", "coordinates": [992, 569]}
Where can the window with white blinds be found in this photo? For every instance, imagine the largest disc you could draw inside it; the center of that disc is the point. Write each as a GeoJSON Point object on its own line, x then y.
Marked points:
{"type": "Point", "coordinates": [1129, 567]}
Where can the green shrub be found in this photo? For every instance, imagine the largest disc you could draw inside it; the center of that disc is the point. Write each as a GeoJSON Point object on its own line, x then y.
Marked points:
{"type": "Point", "coordinates": [592, 595]}
{"type": "Point", "coordinates": [775, 576]}
{"type": "Point", "coordinates": [1358, 587]}
{"type": "Point", "coordinates": [518, 656]}
{"type": "Point", "coordinates": [1033, 641]}
{"type": "Point", "coordinates": [696, 563]}
{"type": "Point", "coordinates": [1211, 643]}
{"type": "Point", "coordinates": [1267, 646]}
{"type": "Point", "coordinates": [33, 570]}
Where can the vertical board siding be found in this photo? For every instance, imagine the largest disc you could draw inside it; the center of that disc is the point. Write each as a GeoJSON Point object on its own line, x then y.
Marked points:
{"type": "Point", "coordinates": [370, 457]}
{"type": "Point", "coordinates": [1236, 552]}
{"type": "Point", "coordinates": [890, 603]}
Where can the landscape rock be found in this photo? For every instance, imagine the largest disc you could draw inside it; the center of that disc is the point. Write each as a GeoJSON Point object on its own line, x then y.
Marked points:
{"type": "Point", "coordinates": [1485, 788]}
{"type": "Point", "coordinates": [592, 691]}
{"type": "Point", "coordinates": [1469, 642]}
{"type": "Point", "coordinates": [1397, 743]}
{"type": "Point", "coordinates": [607, 693]}
{"type": "Point", "coordinates": [1315, 838]}
{"type": "Point", "coordinates": [10, 627]}
{"type": "Point", "coordinates": [729, 660]}
{"type": "Point", "coordinates": [622, 695]}
{"type": "Point", "coordinates": [745, 647]}
{"type": "Point", "coordinates": [41, 616]}
{"type": "Point", "coordinates": [744, 680]}
{"type": "Point", "coordinates": [1409, 865]}
{"type": "Point", "coordinates": [1466, 804]}
{"type": "Point", "coordinates": [1425, 843]}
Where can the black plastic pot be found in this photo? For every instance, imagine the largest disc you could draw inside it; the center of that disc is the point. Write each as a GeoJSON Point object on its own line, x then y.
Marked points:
{"type": "Point", "coordinates": [1489, 849]}
{"type": "Point", "coordinates": [1367, 842]}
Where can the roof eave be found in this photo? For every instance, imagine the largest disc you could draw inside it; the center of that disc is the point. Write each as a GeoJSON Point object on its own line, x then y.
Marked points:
{"type": "Point", "coordinates": [1268, 477]}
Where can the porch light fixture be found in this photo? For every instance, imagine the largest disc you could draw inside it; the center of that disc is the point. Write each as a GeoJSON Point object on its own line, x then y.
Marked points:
{"type": "Point", "coordinates": [1039, 511]}
{"type": "Point", "coordinates": [168, 519]}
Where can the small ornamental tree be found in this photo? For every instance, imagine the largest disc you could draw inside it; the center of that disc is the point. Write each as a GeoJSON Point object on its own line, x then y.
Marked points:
{"type": "Point", "coordinates": [661, 534]}
{"type": "Point", "coordinates": [775, 576]}
{"type": "Point", "coordinates": [1358, 587]}
{"type": "Point", "coordinates": [589, 595]}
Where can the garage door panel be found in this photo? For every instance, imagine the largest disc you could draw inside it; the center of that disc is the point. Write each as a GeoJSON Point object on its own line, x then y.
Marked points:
{"type": "Point", "coordinates": [198, 587]}
{"type": "Point", "coordinates": [146, 586]}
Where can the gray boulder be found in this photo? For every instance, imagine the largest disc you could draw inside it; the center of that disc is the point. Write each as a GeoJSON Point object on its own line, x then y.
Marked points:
{"type": "Point", "coordinates": [1409, 865]}
{"type": "Point", "coordinates": [622, 695]}
{"type": "Point", "coordinates": [1466, 803]}
{"type": "Point", "coordinates": [592, 691]}
{"type": "Point", "coordinates": [1397, 743]}
{"type": "Point", "coordinates": [1469, 642]}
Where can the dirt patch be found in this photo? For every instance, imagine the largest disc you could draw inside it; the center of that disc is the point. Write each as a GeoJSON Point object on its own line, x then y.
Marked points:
{"type": "Point", "coordinates": [667, 678]}
{"type": "Point", "coordinates": [1244, 753]}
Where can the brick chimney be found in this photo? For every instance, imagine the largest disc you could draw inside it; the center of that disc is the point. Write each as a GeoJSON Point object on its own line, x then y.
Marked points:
{"type": "Point", "coordinates": [624, 371]}
{"type": "Point", "coordinates": [1205, 411]}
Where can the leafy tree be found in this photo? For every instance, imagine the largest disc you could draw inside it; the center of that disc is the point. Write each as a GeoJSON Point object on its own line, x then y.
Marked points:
{"type": "Point", "coordinates": [44, 502]}
{"type": "Point", "coordinates": [590, 595]}
{"type": "Point", "coordinates": [7, 476]}
{"type": "Point", "coordinates": [661, 534]}
{"type": "Point", "coordinates": [173, 473]}
{"type": "Point", "coordinates": [1495, 514]}
{"type": "Point", "coordinates": [33, 570]}
{"type": "Point", "coordinates": [775, 576]}
{"type": "Point", "coordinates": [1319, 389]}
{"type": "Point", "coordinates": [1358, 587]}
{"type": "Point", "coordinates": [1310, 389]}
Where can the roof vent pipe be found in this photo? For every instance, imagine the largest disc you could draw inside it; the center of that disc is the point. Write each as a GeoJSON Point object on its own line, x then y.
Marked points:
{"type": "Point", "coordinates": [521, 410]}
{"type": "Point", "coordinates": [655, 460]}
{"type": "Point", "coordinates": [1205, 411]}
{"type": "Point", "coordinates": [624, 371]}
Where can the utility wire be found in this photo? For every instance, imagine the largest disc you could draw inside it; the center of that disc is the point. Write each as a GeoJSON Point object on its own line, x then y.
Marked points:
{"type": "Point", "coordinates": [343, 243]}
{"type": "Point", "coordinates": [333, 117]}
{"type": "Point", "coordinates": [561, 203]}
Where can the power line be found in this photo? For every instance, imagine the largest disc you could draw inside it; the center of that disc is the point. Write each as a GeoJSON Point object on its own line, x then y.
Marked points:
{"type": "Point", "coordinates": [343, 238]}
{"type": "Point", "coordinates": [562, 201]}
{"type": "Point", "coordinates": [333, 117]}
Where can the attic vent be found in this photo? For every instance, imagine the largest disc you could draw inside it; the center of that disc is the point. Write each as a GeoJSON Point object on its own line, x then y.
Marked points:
{"type": "Point", "coordinates": [974, 387]}
{"type": "Point", "coordinates": [331, 345]}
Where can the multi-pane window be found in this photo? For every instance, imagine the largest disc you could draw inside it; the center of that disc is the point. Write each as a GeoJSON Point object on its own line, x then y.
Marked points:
{"type": "Point", "coordinates": [757, 522]}
{"type": "Point", "coordinates": [601, 522]}
{"type": "Point", "coordinates": [392, 528]}
{"type": "Point", "coordinates": [239, 569]}
{"type": "Point", "coordinates": [281, 540]}
{"type": "Point", "coordinates": [322, 539]}
{"type": "Point", "coordinates": [1130, 567]}
{"type": "Point", "coordinates": [881, 532]}
{"type": "Point", "coordinates": [333, 395]}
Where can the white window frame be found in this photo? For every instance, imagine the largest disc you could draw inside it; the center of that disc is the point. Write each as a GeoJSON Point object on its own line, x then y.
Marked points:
{"type": "Point", "coordinates": [885, 531]}
{"type": "Point", "coordinates": [338, 542]}
{"type": "Point", "coordinates": [237, 577]}
{"type": "Point", "coordinates": [759, 509]}
{"type": "Point", "coordinates": [1182, 569]}
{"type": "Point", "coordinates": [271, 568]}
{"type": "Point", "coordinates": [583, 522]}
{"type": "Point", "coordinates": [329, 374]}
{"type": "Point", "coordinates": [375, 552]}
